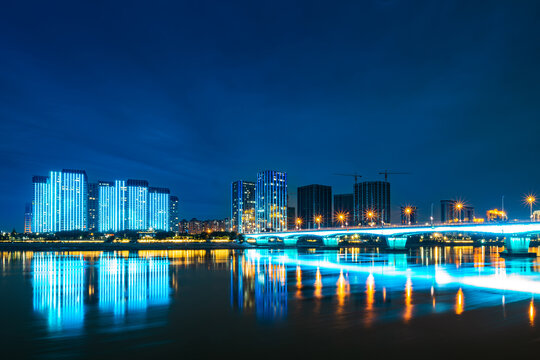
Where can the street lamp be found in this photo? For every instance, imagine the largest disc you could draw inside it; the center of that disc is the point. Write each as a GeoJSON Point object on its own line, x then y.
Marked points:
{"type": "Point", "coordinates": [318, 220]}
{"type": "Point", "coordinates": [370, 214]}
{"type": "Point", "coordinates": [459, 207]}
{"type": "Point", "coordinates": [298, 223]}
{"type": "Point", "coordinates": [408, 211]}
{"type": "Point", "coordinates": [531, 200]}
{"type": "Point", "coordinates": [341, 218]}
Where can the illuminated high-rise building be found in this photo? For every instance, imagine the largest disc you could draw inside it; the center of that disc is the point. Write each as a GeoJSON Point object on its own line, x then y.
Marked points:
{"type": "Point", "coordinates": [315, 206]}
{"type": "Point", "coordinates": [93, 206]}
{"type": "Point", "coordinates": [158, 208]}
{"type": "Point", "coordinates": [60, 201]}
{"type": "Point", "coordinates": [137, 205]}
{"type": "Point", "coordinates": [372, 202]}
{"type": "Point", "coordinates": [112, 206]}
{"type": "Point", "coordinates": [40, 204]}
{"type": "Point", "coordinates": [73, 200]}
{"type": "Point", "coordinates": [174, 215]}
{"type": "Point", "coordinates": [243, 206]}
{"type": "Point", "coordinates": [28, 218]}
{"type": "Point", "coordinates": [271, 201]}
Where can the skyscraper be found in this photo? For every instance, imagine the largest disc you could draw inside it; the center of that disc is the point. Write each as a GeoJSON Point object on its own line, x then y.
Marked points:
{"type": "Point", "coordinates": [137, 204]}
{"type": "Point", "coordinates": [372, 202]}
{"type": "Point", "coordinates": [158, 208]}
{"type": "Point", "coordinates": [112, 206]}
{"type": "Point", "coordinates": [28, 218]}
{"type": "Point", "coordinates": [174, 216]}
{"type": "Point", "coordinates": [271, 201]}
{"type": "Point", "coordinates": [40, 204]}
{"type": "Point", "coordinates": [344, 204]}
{"type": "Point", "coordinates": [93, 206]}
{"type": "Point", "coordinates": [243, 206]}
{"type": "Point", "coordinates": [315, 206]}
{"type": "Point", "coordinates": [60, 201]}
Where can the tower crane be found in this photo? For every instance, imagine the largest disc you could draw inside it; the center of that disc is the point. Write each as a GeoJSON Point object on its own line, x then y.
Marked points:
{"type": "Point", "coordinates": [386, 173]}
{"type": "Point", "coordinates": [355, 175]}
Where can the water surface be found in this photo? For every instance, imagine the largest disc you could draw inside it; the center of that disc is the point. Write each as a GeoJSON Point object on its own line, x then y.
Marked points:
{"type": "Point", "coordinates": [451, 301]}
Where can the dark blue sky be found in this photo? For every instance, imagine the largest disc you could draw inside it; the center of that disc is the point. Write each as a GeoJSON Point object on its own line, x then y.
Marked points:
{"type": "Point", "coordinates": [193, 95]}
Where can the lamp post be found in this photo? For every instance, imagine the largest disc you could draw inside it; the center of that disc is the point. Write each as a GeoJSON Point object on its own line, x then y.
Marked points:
{"type": "Point", "coordinates": [408, 212]}
{"type": "Point", "coordinates": [530, 199]}
{"type": "Point", "coordinates": [459, 206]}
{"type": "Point", "coordinates": [341, 218]}
{"type": "Point", "coordinates": [298, 223]}
{"type": "Point", "coordinates": [318, 219]}
{"type": "Point", "coordinates": [370, 214]}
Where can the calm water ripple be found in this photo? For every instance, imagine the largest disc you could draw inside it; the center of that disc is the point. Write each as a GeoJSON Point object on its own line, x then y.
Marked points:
{"type": "Point", "coordinates": [306, 302]}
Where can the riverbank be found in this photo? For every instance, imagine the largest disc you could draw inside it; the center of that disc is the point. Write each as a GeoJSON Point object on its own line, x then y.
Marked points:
{"type": "Point", "coordinates": [101, 246]}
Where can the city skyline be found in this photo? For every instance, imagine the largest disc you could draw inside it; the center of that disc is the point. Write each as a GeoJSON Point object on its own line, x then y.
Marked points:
{"type": "Point", "coordinates": [454, 106]}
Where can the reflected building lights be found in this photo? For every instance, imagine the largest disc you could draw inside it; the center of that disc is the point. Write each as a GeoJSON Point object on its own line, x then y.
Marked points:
{"type": "Point", "coordinates": [58, 283]}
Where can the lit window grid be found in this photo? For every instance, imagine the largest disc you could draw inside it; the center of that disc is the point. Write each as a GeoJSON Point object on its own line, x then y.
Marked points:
{"type": "Point", "coordinates": [158, 203]}
{"type": "Point", "coordinates": [271, 201]}
{"type": "Point", "coordinates": [137, 207]}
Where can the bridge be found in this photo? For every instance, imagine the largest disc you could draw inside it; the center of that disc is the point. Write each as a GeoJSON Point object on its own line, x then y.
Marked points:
{"type": "Point", "coordinates": [517, 235]}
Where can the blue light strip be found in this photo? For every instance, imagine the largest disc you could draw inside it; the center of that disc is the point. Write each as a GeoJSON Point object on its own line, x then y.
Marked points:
{"type": "Point", "coordinates": [496, 229]}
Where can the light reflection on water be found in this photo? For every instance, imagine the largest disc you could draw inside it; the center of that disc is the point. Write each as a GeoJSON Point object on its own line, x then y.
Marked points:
{"type": "Point", "coordinates": [443, 279]}
{"type": "Point", "coordinates": [344, 289]}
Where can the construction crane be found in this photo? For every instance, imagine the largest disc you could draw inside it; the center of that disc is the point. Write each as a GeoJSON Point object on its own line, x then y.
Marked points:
{"type": "Point", "coordinates": [355, 175]}
{"type": "Point", "coordinates": [386, 173]}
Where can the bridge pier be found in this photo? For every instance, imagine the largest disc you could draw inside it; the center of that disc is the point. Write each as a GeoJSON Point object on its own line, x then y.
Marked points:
{"type": "Point", "coordinates": [396, 243]}
{"type": "Point", "coordinates": [290, 241]}
{"type": "Point", "coordinates": [332, 241]}
{"type": "Point", "coordinates": [517, 245]}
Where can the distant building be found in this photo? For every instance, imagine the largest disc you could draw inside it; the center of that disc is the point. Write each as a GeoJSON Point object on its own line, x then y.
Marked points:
{"type": "Point", "coordinates": [137, 204]}
{"type": "Point", "coordinates": [112, 214]}
{"type": "Point", "coordinates": [372, 202]}
{"type": "Point", "coordinates": [451, 213]}
{"type": "Point", "coordinates": [271, 201]}
{"type": "Point", "coordinates": [194, 226]}
{"type": "Point", "coordinates": [448, 211]}
{"type": "Point", "coordinates": [174, 214]}
{"type": "Point", "coordinates": [183, 226]}
{"type": "Point", "coordinates": [28, 218]}
{"type": "Point", "coordinates": [291, 218]}
{"type": "Point", "coordinates": [408, 215]}
{"type": "Point", "coordinates": [315, 201]}
{"type": "Point", "coordinates": [468, 214]}
{"type": "Point", "coordinates": [158, 208]}
{"type": "Point", "coordinates": [60, 201]}
{"type": "Point", "coordinates": [93, 206]}
{"type": "Point", "coordinates": [344, 204]}
{"type": "Point", "coordinates": [243, 206]}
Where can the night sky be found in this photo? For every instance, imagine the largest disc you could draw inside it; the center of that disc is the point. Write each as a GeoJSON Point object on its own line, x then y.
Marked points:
{"type": "Point", "coordinates": [193, 95]}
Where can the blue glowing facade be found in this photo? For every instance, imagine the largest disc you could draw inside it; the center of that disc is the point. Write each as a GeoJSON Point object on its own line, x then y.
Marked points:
{"type": "Point", "coordinates": [132, 284]}
{"type": "Point", "coordinates": [243, 206]}
{"type": "Point", "coordinates": [58, 283]}
{"type": "Point", "coordinates": [271, 201]}
{"type": "Point", "coordinates": [60, 201]}
{"type": "Point", "coordinates": [137, 204]}
{"type": "Point", "coordinates": [158, 206]}
{"type": "Point", "coordinates": [112, 206]}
